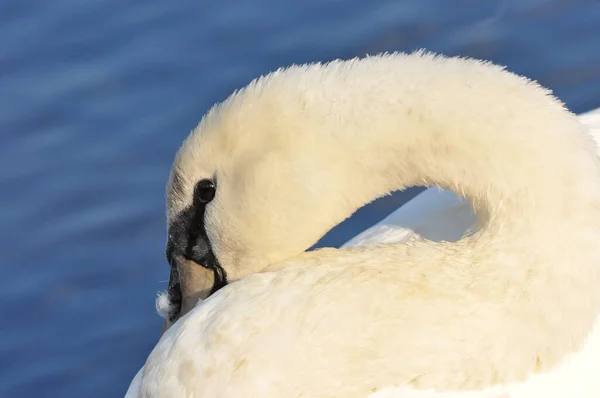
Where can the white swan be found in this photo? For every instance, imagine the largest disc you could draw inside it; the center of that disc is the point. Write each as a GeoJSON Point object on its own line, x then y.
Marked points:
{"type": "Point", "coordinates": [509, 311]}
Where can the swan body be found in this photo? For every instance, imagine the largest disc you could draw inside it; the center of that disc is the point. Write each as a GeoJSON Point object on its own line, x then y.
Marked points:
{"type": "Point", "coordinates": [508, 309]}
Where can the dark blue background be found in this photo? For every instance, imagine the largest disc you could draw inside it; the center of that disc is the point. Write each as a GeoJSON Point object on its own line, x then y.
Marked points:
{"type": "Point", "coordinates": [97, 95]}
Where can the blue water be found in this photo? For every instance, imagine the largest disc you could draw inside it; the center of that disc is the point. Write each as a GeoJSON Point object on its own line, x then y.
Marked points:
{"type": "Point", "coordinates": [97, 95]}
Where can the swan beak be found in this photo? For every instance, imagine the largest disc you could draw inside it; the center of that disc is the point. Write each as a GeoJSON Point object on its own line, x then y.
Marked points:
{"type": "Point", "coordinates": [189, 283]}
{"type": "Point", "coordinates": [195, 270]}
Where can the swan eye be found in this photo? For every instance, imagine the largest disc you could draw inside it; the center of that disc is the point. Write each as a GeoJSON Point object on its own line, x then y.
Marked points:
{"type": "Point", "coordinates": [205, 191]}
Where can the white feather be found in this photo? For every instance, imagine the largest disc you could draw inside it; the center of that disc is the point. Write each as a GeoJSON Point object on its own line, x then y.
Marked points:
{"type": "Point", "coordinates": [163, 304]}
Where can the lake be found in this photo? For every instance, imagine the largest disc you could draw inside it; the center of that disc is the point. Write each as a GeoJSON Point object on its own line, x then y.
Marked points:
{"type": "Point", "coordinates": [96, 97]}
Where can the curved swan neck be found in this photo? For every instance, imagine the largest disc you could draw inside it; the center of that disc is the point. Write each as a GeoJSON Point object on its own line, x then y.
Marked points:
{"type": "Point", "coordinates": [361, 129]}
{"type": "Point", "coordinates": [527, 165]}
{"type": "Point", "coordinates": [520, 158]}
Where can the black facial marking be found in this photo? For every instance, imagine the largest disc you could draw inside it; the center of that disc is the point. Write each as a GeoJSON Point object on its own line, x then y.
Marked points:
{"type": "Point", "coordinates": [188, 238]}
{"type": "Point", "coordinates": [174, 293]}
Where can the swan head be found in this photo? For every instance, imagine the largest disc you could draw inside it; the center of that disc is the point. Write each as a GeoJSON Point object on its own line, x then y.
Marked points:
{"type": "Point", "coordinates": [260, 180]}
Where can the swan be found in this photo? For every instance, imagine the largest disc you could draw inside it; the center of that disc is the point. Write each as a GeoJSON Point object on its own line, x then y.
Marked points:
{"type": "Point", "coordinates": [510, 309]}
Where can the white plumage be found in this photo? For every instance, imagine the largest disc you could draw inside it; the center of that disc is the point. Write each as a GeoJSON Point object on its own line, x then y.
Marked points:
{"type": "Point", "coordinates": [510, 310]}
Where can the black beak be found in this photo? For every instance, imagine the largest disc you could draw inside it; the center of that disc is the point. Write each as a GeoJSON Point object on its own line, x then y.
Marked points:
{"type": "Point", "coordinates": [188, 240]}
